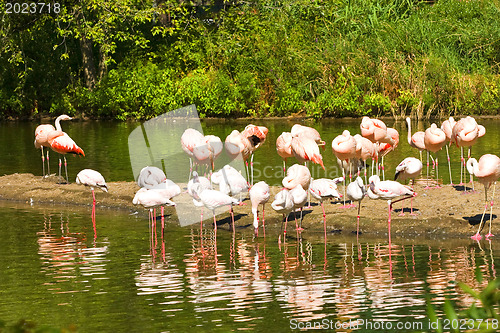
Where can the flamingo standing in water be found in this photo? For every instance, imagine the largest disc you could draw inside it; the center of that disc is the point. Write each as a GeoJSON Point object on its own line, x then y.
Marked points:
{"type": "Point", "coordinates": [195, 145]}
{"type": "Point", "coordinates": [356, 192]}
{"type": "Point", "coordinates": [61, 143]}
{"type": "Point", "coordinates": [259, 195]}
{"type": "Point", "coordinates": [322, 189]}
{"type": "Point", "coordinates": [417, 139]}
{"type": "Point", "coordinates": [213, 199]}
{"type": "Point", "coordinates": [306, 149]}
{"type": "Point", "coordinates": [447, 127]}
{"type": "Point", "coordinates": [41, 138]}
{"type": "Point", "coordinates": [434, 140]}
{"type": "Point", "coordinates": [307, 131]}
{"type": "Point", "coordinates": [284, 147]}
{"type": "Point", "coordinates": [283, 204]}
{"type": "Point", "coordinates": [230, 181]}
{"type": "Point", "coordinates": [92, 178]}
{"type": "Point", "coordinates": [487, 171]}
{"type": "Point", "coordinates": [409, 168]}
{"type": "Point", "coordinates": [204, 185]}
{"type": "Point", "coordinates": [385, 148]}
{"type": "Point", "coordinates": [388, 190]}
{"type": "Point", "coordinates": [365, 149]}
{"type": "Point", "coordinates": [344, 147]}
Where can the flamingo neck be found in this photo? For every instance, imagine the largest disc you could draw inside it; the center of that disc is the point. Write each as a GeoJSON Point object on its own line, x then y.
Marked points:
{"type": "Point", "coordinates": [408, 121]}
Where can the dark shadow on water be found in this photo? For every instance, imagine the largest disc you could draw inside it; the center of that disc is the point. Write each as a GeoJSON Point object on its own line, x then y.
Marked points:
{"type": "Point", "coordinates": [474, 220]}
{"type": "Point", "coordinates": [462, 188]}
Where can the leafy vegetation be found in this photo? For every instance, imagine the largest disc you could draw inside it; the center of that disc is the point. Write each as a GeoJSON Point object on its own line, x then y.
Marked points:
{"type": "Point", "coordinates": [323, 58]}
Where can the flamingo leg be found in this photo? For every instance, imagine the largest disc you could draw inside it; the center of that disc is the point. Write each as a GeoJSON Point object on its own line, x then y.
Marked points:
{"type": "Point", "coordinates": [284, 168]}
{"type": "Point", "coordinates": [427, 175]}
{"type": "Point", "coordinates": [324, 218]}
{"type": "Point", "coordinates": [60, 164]}
{"type": "Point", "coordinates": [43, 163]}
{"type": "Point", "coordinates": [449, 164]}
{"type": "Point", "coordinates": [215, 223]}
{"type": "Point", "coordinates": [66, 169]}
{"type": "Point", "coordinates": [461, 165]}
{"type": "Point", "coordinates": [232, 217]}
{"type": "Point", "coordinates": [477, 236]}
{"type": "Point", "coordinates": [364, 163]}
{"type": "Point", "coordinates": [389, 221]}
{"type": "Point", "coordinates": [263, 221]}
{"type": "Point", "coordinates": [437, 171]}
{"type": "Point", "coordinates": [251, 168]}
{"type": "Point", "coordinates": [357, 220]}
{"type": "Point", "coordinates": [411, 200]}
{"type": "Point", "coordinates": [48, 164]}
{"type": "Point", "coordinates": [471, 178]}
{"type": "Point", "coordinates": [491, 212]}
{"type": "Point", "coordinates": [383, 169]}
{"type": "Point", "coordinates": [162, 220]}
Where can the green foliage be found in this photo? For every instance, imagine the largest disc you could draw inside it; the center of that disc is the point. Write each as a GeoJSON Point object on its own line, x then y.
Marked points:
{"type": "Point", "coordinates": [320, 59]}
{"type": "Point", "coordinates": [482, 318]}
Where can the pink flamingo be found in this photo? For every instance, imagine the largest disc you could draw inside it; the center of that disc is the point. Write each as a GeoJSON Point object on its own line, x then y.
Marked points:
{"type": "Point", "coordinates": [374, 130]}
{"type": "Point", "coordinates": [230, 181]}
{"type": "Point", "coordinates": [284, 147]}
{"type": "Point", "coordinates": [385, 148]}
{"type": "Point", "coordinates": [409, 168]}
{"type": "Point", "coordinates": [297, 174]}
{"type": "Point", "coordinates": [92, 178]}
{"type": "Point", "coordinates": [322, 189]}
{"type": "Point", "coordinates": [256, 135]}
{"type": "Point", "coordinates": [344, 147]}
{"type": "Point", "coordinates": [417, 139]}
{"type": "Point", "coordinates": [283, 204]}
{"type": "Point", "coordinates": [190, 139]}
{"type": "Point", "coordinates": [150, 176]}
{"type": "Point", "coordinates": [41, 138]}
{"type": "Point", "coordinates": [309, 132]}
{"type": "Point", "coordinates": [61, 143]}
{"type": "Point", "coordinates": [259, 195]}
{"type": "Point", "coordinates": [434, 140]}
{"type": "Point", "coordinates": [306, 149]}
{"type": "Point", "coordinates": [236, 144]}
{"type": "Point", "coordinates": [447, 127]}
{"type": "Point", "coordinates": [356, 192]}
{"type": "Point", "coordinates": [487, 171]}
{"type": "Point", "coordinates": [205, 184]}
{"type": "Point", "coordinates": [365, 149]}
{"type": "Point", "coordinates": [213, 199]}
{"type": "Point", "coordinates": [388, 190]}
{"type": "Point", "coordinates": [299, 199]}
{"type": "Point", "coordinates": [465, 134]}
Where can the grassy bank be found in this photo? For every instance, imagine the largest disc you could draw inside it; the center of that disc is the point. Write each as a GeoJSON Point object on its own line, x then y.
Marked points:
{"type": "Point", "coordinates": [265, 58]}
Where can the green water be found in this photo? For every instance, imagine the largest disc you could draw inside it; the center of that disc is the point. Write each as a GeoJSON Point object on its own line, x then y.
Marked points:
{"type": "Point", "coordinates": [56, 270]}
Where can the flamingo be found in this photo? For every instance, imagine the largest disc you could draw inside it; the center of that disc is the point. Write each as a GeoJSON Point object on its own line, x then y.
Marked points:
{"type": "Point", "coordinates": [388, 190]}
{"type": "Point", "coordinates": [150, 176]}
{"type": "Point", "coordinates": [41, 138]}
{"type": "Point", "coordinates": [215, 145]}
{"type": "Point", "coordinates": [434, 140]}
{"type": "Point", "coordinates": [236, 145]}
{"type": "Point", "coordinates": [465, 134]}
{"type": "Point", "coordinates": [299, 199]}
{"type": "Point", "coordinates": [447, 127]}
{"type": "Point", "coordinates": [283, 204]}
{"type": "Point", "coordinates": [256, 135]}
{"type": "Point", "coordinates": [306, 149]}
{"type": "Point", "coordinates": [365, 149]}
{"type": "Point", "coordinates": [205, 184]}
{"type": "Point", "coordinates": [322, 189]}
{"type": "Point", "coordinates": [409, 168]}
{"type": "Point", "coordinates": [284, 147]}
{"type": "Point", "coordinates": [190, 139]}
{"type": "Point", "coordinates": [61, 143]}
{"type": "Point", "coordinates": [213, 199]}
{"type": "Point", "coordinates": [297, 174]}
{"type": "Point", "coordinates": [385, 148]}
{"type": "Point", "coordinates": [307, 131]}
{"type": "Point", "coordinates": [487, 171]}
{"type": "Point", "coordinates": [259, 195]}
{"type": "Point", "coordinates": [356, 192]}
{"type": "Point", "coordinates": [230, 181]}
{"type": "Point", "coordinates": [417, 139]}
{"type": "Point", "coordinates": [344, 147]}
{"type": "Point", "coordinates": [92, 178]}
{"type": "Point", "coordinates": [374, 130]}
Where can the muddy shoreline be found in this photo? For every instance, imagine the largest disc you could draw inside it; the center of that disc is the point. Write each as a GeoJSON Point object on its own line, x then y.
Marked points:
{"type": "Point", "coordinates": [441, 213]}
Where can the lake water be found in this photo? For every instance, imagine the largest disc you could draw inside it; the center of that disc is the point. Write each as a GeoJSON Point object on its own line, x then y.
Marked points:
{"type": "Point", "coordinates": [57, 270]}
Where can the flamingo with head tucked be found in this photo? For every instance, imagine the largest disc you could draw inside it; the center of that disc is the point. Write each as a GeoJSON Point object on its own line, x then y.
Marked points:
{"type": "Point", "coordinates": [434, 140]}
{"type": "Point", "coordinates": [306, 149]}
{"type": "Point", "coordinates": [283, 204]}
{"type": "Point", "coordinates": [237, 144]}
{"type": "Point", "coordinates": [365, 149]}
{"type": "Point", "coordinates": [356, 192]}
{"type": "Point", "coordinates": [385, 148]}
{"type": "Point", "coordinates": [322, 189]}
{"type": "Point", "coordinates": [409, 168]}
{"type": "Point", "coordinates": [284, 147]}
{"type": "Point", "coordinates": [487, 171]}
{"type": "Point", "coordinates": [256, 136]}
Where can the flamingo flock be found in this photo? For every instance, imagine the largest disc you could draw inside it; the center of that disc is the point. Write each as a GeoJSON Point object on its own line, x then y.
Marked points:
{"type": "Point", "coordinates": [374, 142]}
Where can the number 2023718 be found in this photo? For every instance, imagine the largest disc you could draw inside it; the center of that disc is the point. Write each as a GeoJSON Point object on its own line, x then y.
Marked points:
{"type": "Point", "coordinates": [32, 7]}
